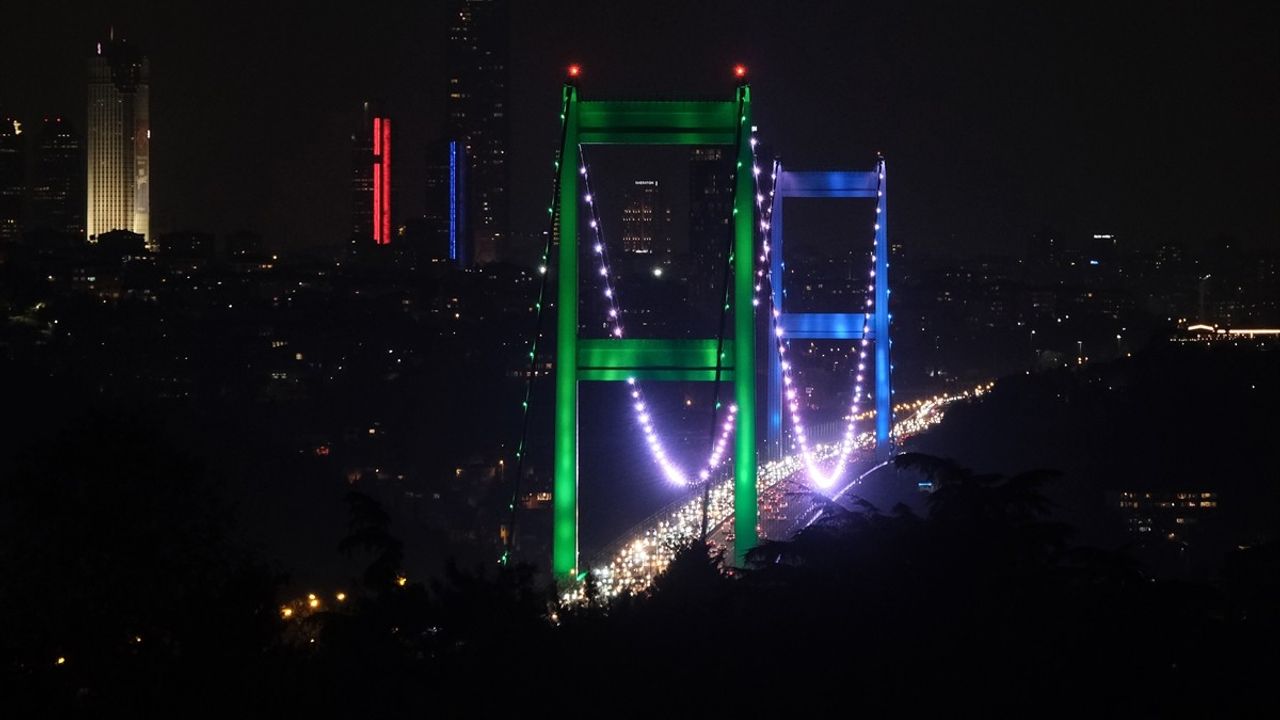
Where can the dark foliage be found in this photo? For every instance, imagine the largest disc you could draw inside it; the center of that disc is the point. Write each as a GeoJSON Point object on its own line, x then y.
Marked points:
{"type": "Point", "coordinates": [115, 558]}
{"type": "Point", "coordinates": [981, 603]}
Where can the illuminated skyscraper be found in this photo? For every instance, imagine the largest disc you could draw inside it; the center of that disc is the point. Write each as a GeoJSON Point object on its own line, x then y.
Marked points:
{"type": "Point", "coordinates": [11, 178]}
{"type": "Point", "coordinates": [57, 191]}
{"type": "Point", "coordinates": [371, 177]}
{"type": "Point", "coordinates": [119, 141]}
{"type": "Point", "coordinates": [478, 56]}
{"type": "Point", "coordinates": [646, 222]}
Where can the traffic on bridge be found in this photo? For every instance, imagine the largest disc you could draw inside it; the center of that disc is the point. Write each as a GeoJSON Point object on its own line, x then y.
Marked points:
{"type": "Point", "coordinates": [644, 553]}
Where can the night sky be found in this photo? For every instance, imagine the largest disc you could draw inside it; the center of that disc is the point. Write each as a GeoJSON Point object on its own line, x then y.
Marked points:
{"type": "Point", "coordinates": [1156, 122]}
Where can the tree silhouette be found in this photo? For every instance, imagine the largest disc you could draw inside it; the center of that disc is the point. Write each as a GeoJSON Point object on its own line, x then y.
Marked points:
{"type": "Point", "coordinates": [116, 556]}
{"type": "Point", "coordinates": [369, 531]}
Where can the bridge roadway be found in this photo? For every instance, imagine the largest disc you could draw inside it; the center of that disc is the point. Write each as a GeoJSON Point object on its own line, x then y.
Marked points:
{"type": "Point", "coordinates": [787, 504]}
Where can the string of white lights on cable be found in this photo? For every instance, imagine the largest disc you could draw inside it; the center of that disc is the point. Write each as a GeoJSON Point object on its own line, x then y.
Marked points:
{"type": "Point", "coordinates": [643, 413]}
{"type": "Point", "coordinates": [817, 476]}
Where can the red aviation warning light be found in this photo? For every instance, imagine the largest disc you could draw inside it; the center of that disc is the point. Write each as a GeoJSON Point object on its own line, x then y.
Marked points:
{"type": "Point", "coordinates": [740, 71]}
{"type": "Point", "coordinates": [575, 70]}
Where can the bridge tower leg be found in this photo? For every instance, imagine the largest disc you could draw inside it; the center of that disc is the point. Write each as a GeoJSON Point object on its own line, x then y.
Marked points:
{"type": "Point", "coordinates": [745, 498]}
{"type": "Point", "coordinates": [777, 267]}
{"type": "Point", "coordinates": [564, 541]}
{"type": "Point", "coordinates": [880, 322]}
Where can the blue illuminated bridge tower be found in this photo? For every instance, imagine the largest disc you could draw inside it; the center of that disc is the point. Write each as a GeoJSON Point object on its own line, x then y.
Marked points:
{"type": "Point", "coordinates": [836, 325]}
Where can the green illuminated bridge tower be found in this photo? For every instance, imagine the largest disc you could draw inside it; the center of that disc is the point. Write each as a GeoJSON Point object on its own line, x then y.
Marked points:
{"type": "Point", "coordinates": [630, 122]}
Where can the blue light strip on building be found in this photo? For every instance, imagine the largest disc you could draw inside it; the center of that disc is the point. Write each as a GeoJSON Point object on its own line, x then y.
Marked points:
{"type": "Point", "coordinates": [453, 200]}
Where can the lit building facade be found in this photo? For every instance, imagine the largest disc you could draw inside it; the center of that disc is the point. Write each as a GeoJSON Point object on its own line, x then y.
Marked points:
{"type": "Point", "coordinates": [1166, 515]}
{"type": "Point", "coordinates": [119, 141]}
{"type": "Point", "coordinates": [646, 221]}
{"type": "Point", "coordinates": [479, 68]}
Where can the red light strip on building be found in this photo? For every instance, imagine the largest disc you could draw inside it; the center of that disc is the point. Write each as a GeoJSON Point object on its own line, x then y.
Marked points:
{"type": "Point", "coordinates": [377, 180]}
{"type": "Point", "coordinates": [386, 181]}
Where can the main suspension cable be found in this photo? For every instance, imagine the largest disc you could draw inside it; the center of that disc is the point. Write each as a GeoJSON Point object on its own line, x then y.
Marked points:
{"type": "Point", "coordinates": [847, 442]}
{"type": "Point", "coordinates": [643, 412]}
{"type": "Point", "coordinates": [543, 269]}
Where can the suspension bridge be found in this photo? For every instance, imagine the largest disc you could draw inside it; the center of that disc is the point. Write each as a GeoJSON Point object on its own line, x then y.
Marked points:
{"type": "Point", "coordinates": [723, 510]}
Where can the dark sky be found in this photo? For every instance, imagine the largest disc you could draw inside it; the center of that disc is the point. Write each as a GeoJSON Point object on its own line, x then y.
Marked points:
{"type": "Point", "coordinates": [1157, 120]}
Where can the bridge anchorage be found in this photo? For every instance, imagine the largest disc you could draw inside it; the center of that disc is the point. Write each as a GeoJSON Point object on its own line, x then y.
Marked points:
{"type": "Point", "coordinates": [726, 357]}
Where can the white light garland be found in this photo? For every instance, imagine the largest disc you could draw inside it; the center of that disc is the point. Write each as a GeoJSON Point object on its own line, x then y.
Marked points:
{"type": "Point", "coordinates": [674, 473]}
{"type": "Point", "coordinates": [644, 416]}
{"type": "Point", "coordinates": [817, 476]}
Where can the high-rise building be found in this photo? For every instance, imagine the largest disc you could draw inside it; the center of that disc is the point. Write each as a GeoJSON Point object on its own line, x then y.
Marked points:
{"type": "Point", "coordinates": [371, 177]}
{"type": "Point", "coordinates": [119, 141]}
{"type": "Point", "coordinates": [12, 178]}
{"type": "Point", "coordinates": [478, 57]}
{"type": "Point", "coordinates": [57, 192]}
{"type": "Point", "coordinates": [646, 222]}
{"type": "Point", "coordinates": [710, 218]}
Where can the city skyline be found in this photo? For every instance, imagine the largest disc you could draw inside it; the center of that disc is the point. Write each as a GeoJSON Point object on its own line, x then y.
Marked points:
{"type": "Point", "coordinates": [1129, 168]}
